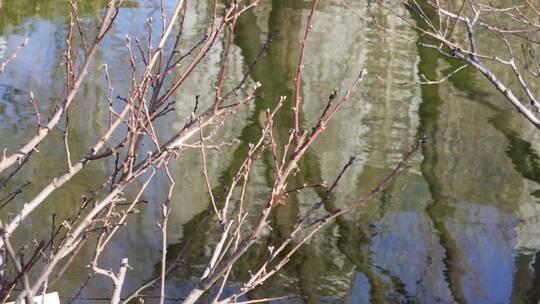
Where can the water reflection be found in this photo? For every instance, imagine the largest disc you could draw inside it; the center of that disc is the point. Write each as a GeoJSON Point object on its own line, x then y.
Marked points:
{"type": "Point", "coordinates": [461, 224]}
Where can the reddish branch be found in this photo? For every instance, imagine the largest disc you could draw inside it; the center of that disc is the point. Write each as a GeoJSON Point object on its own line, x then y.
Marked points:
{"type": "Point", "coordinates": [4, 64]}
{"type": "Point", "coordinates": [107, 210]}
{"type": "Point", "coordinates": [108, 18]}
{"type": "Point", "coordinates": [298, 78]}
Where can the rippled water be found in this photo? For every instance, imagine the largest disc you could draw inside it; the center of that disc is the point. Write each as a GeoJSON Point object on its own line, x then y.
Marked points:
{"type": "Point", "coordinates": [461, 224]}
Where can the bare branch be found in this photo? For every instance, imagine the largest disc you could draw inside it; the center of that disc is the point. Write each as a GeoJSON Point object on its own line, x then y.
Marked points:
{"type": "Point", "coordinates": [4, 64]}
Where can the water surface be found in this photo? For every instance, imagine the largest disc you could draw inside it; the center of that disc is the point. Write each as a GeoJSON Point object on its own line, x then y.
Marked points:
{"type": "Point", "coordinates": [460, 225]}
